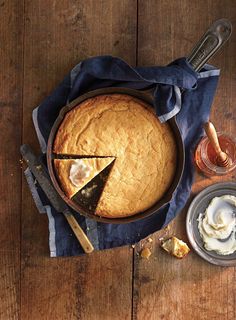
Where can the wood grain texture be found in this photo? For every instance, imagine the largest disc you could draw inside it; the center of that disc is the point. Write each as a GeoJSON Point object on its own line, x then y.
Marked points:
{"type": "Point", "coordinates": [40, 41]}
{"type": "Point", "coordinates": [88, 287]}
{"type": "Point", "coordinates": [10, 119]}
{"type": "Point", "coordinates": [164, 287]}
{"type": "Point", "coordinates": [58, 34]}
{"type": "Point", "coordinates": [10, 284]}
{"type": "Point", "coordinates": [11, 47]}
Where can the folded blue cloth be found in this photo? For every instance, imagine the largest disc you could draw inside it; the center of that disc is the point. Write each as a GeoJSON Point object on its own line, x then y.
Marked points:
{"type": "Point", "coordinates": [192, 107]}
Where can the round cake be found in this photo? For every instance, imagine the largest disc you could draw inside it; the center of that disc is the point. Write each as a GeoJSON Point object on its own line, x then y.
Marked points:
{"type": "Point", "coordinates": [126, 128]}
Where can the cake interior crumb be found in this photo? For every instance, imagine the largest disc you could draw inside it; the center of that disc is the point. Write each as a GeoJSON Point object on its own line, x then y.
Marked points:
{"type": "Point", "coordinates": [146, 253]}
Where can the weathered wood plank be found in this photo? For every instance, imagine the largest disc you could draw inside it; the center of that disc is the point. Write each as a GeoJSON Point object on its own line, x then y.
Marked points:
{"type": "Point", "coordinates": [58, 34]}
{"type": "Point", "coordinates": [11, 35]}
{"type": "Point", "coordinates": [10, 284]}
{"type": "Point", "coordinates": [164, 287]}
{"type": "Point", "coordinates": [91, 287]}
{"type": "Point", "coordinates": [10, 128]}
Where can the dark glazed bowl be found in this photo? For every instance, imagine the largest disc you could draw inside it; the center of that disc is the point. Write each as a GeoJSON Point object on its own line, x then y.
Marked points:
{"type": "Point", "coordinates": [86, 212]}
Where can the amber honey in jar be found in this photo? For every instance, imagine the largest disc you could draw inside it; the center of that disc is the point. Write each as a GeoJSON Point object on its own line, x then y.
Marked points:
{"type": "Point", "coordinates": [206, 158]}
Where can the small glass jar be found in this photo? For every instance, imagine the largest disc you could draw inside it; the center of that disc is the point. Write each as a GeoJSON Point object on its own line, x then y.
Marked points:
{"type": "Point", "coordinates": [206, 158]}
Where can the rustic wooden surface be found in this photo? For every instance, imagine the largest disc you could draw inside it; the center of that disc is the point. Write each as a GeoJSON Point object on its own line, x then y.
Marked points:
{"type": "Point", "coordinates": [40, 41]}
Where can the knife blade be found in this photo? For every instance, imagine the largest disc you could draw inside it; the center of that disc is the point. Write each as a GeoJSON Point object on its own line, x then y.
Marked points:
{"type": "Point", "coordinates": [56, 201]}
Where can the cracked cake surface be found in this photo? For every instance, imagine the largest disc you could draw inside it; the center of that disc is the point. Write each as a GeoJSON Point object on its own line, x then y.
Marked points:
{"type": "Point", "coordinates": [126, 128]}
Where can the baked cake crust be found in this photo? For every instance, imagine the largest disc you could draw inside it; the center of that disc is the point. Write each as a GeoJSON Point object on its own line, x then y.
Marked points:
{"type": "Point", "coordinates": [63, 166]}
{"type": "Point", "coordinates": [124, 127]}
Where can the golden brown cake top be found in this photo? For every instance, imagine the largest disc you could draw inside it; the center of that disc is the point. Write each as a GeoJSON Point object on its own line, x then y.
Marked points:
{"type": "Point", "coordinates": [124, 127]}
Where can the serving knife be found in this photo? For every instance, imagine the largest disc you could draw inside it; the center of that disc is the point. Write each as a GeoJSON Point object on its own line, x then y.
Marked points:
{"type": "Point", "coordinates": [44, 181]}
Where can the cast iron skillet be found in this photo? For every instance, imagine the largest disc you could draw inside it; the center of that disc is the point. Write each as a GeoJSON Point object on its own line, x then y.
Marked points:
{"type": "Point", "coordinates": [212, 40]}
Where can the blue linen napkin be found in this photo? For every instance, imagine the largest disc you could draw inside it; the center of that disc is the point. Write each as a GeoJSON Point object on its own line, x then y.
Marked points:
{"type": "Point", "coordinates": [192, 108]}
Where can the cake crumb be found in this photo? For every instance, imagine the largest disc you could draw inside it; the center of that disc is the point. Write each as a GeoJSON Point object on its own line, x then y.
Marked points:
{"type": "Point", "coordinates": [150, 240]}
{"type": "Point", "coordinates": [175, 247]}
{"type": "Point", "coordinates": [146, 253]}
{"type": "Point", "coordinates": [87, 192]}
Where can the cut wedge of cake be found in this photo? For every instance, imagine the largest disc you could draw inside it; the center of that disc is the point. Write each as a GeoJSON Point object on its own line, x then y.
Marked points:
{"type": "Point", "coordinates": [74, 174]}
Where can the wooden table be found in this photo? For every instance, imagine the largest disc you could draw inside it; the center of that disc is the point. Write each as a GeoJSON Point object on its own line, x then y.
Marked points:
{"type": "Point", "coordinates": [40, 41]}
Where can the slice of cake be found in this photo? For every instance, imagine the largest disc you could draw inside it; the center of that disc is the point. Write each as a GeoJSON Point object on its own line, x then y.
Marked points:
{"type": "Point", "coordinates": [176, 247]}
{"type": "Point", "coordinates": [74, 174]}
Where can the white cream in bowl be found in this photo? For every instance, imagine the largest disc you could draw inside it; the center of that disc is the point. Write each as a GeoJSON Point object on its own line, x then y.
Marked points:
{"type": "Point", "coordinates": [217, 226]}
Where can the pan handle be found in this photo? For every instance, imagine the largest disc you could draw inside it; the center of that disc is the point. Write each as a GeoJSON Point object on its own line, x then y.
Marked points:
{"type": "Point", "coordinates": [215, 37]}
{"type": "Point", "coordinates": [210, 43]}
